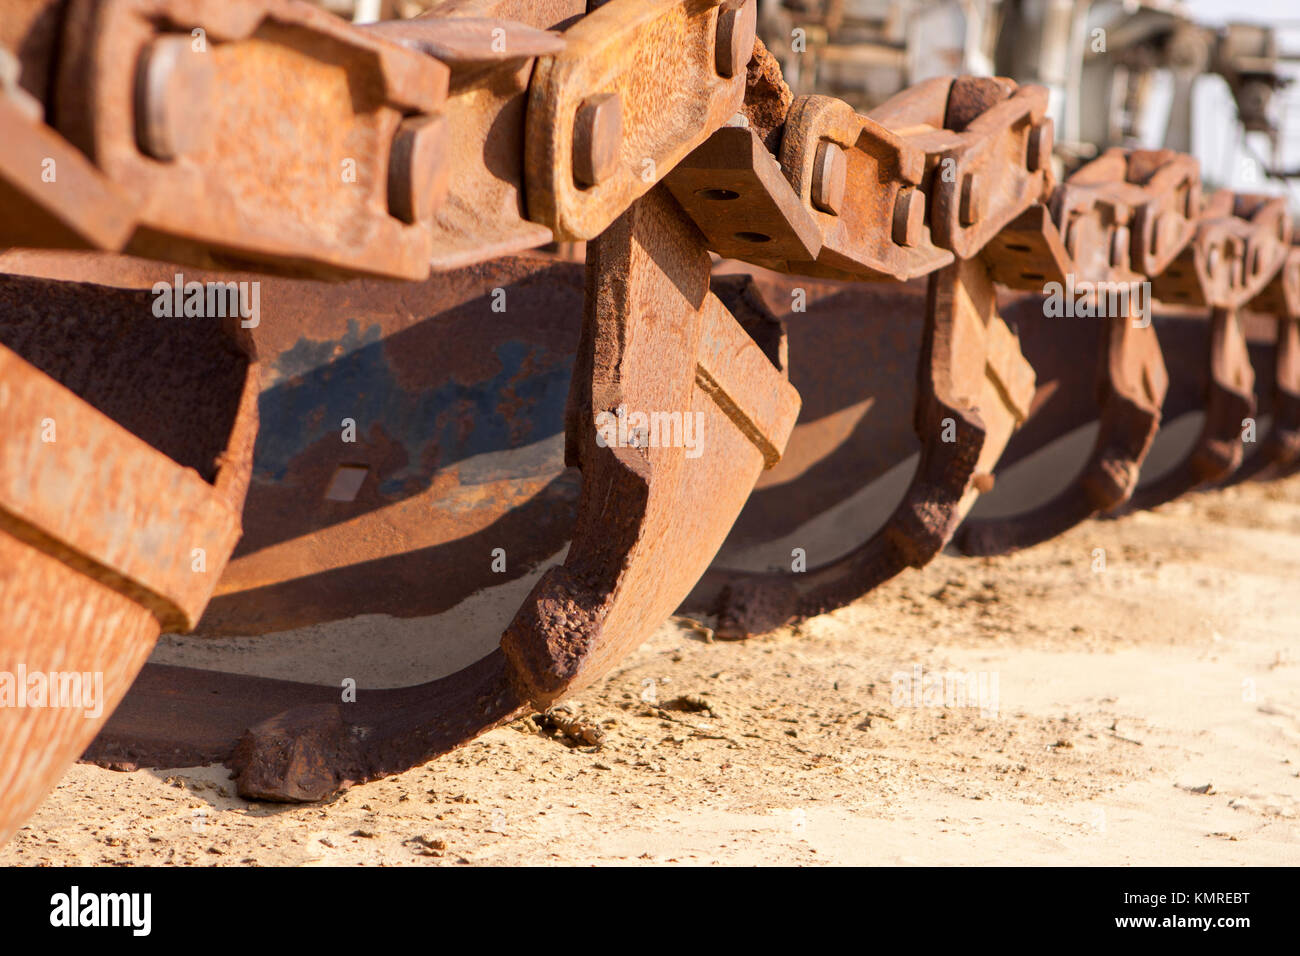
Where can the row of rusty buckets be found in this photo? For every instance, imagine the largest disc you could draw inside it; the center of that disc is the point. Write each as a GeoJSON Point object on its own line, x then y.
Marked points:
{"type": "Point", "coordinates": [393, 456]}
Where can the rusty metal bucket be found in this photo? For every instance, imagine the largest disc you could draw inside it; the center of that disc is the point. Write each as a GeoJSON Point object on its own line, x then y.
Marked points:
{"type": "Point", "coordinates": [110, 531]}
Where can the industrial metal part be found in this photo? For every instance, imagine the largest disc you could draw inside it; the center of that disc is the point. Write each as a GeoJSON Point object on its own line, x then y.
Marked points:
{"type": "Point", "coordinates": [731, 403]}
{"type": "Point", "coordinates": [1122, 213]}
{"type": "Point", "coordinates": [1241, 242]}
{"type": "Point", "coordinates": [267, 135]}
{"type": "Point", "coordinates": [1280, 300]}
{"type": "Point", "coordinates": [110, 530]}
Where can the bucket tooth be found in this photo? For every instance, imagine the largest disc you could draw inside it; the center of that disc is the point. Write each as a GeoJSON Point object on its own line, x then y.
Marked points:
{"type": "Point", "coordinates": [105, 540]}
{"type": "Point", "coordinates": [657, 346]}
{"type": "Point", "coordinates": [1107, 212]}
{"type": "Point", "coordinates": [1241, 243]}
{"type": "Point", "coordinates": [1282, 446]}
{"type": "Point", "coordinates": [973, 389]}
{"type": "Point", "coordinates": [1280, 301]}
{"type": "Point", "coordinates": [1132, 386]}
{"type": "Point", "coordinates": [1229, 400]}
{"type": "Point", "coordinates": [294, 742]}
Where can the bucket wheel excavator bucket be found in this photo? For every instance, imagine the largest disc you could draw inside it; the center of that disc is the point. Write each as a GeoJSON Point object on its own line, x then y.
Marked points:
{"type": "Point", "coordinates": [1124, 217]}
{"type": "Point", "coordinates": [1241, 243]}
{"type": "Point", "coordinates": [976, 149]}
{"type": "Point", "coordinates": [119, 506]}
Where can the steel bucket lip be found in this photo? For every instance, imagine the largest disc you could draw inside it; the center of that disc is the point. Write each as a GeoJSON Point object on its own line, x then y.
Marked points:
{"type": "Point", "coordinates": [87, 527]}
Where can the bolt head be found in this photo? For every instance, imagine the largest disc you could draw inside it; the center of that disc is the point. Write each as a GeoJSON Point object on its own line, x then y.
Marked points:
{"type": "Point", "coordinates": [737, 29]}
{"type": "Point", "coordinates": [909, 217]}
{"type": "Point", "coordinates": [830, 177]}
{"type": "Point", "coordinates": [418, 170]}
{"type": "Point", "coordinates": [971, 208]}
{"type": "Point", "coordinates": [173, 89]}
{"type": "Point", "coordinates": [597, 139]}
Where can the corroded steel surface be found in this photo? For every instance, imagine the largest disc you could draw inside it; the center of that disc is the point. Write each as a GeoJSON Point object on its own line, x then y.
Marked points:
{"type": "Point", "coordinates": [659, 132]}
{"type": "Point", "coordinates": [654, 338]}
{"type": "Point", "coordinates": [459, 415]}
{"type": "Point", "coordinates": [110, 531]}
{"type": "Point", "coordinates": [737, 422]}
{"type": "Point", "coordinates": [1125, 211]}
{"type": "Point", "coordinates": [1280, 301]}
{"type": "Point", "coordinates": [1241, 243]}
{"type": "Point", "coordinates": [973, 389]}
{"type": "Point", "coordinates": [602, 105]}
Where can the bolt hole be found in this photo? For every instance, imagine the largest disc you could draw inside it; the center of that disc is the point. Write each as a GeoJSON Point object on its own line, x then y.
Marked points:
{"type": "Point", "coordinates": [1033, 276]}
{"type": "Point", "coordinates": [1017, 247]}
{"type": "Point", "coordinates": [718, 195]}
{"type": "Point", "coordinates": [755, 237]}
{"type": "Point", "coordinates": [346, 483]}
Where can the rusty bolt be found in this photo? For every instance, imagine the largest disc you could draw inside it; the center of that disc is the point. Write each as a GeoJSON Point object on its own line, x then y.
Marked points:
{"type": "Point", "coordinates": [1119, 240]}
{"type": "Point", "coordinates": [830, 174]}
{"type": "Point", "coordinates": [737, 28]}
{"type": "Point", "coordinates": [972, 199]}
{"type": "Point", "coordinates": [418, 168]}
{"type": "Point", "coordinates": [909, 216]}
{"type": "Point", "coordinates": [173, 89]}
{"type": "Point", "coordinates": [1038, 150]}
{"type": "Point", "coordinates": [597, 136]}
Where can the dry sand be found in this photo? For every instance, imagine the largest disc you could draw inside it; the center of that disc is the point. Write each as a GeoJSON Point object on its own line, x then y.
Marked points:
{"type": "Point", "coordinates": [1147, 713]}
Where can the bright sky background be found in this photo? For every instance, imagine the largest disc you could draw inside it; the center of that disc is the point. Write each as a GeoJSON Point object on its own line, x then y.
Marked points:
{"type": "Point", "coordinates": [1216, 135]}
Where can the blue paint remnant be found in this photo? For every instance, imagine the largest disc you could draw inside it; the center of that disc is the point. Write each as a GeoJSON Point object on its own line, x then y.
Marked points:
{"type": "Point", "coordinates": [313, 389]}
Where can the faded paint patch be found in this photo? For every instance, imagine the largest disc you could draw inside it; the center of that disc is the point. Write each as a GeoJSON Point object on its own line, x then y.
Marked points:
{"type": "Point", "coordinates": [315, 385]}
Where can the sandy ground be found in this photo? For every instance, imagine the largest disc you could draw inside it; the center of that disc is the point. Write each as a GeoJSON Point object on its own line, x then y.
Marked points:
{"type": "Point", "coordinates": [1147, 712]}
